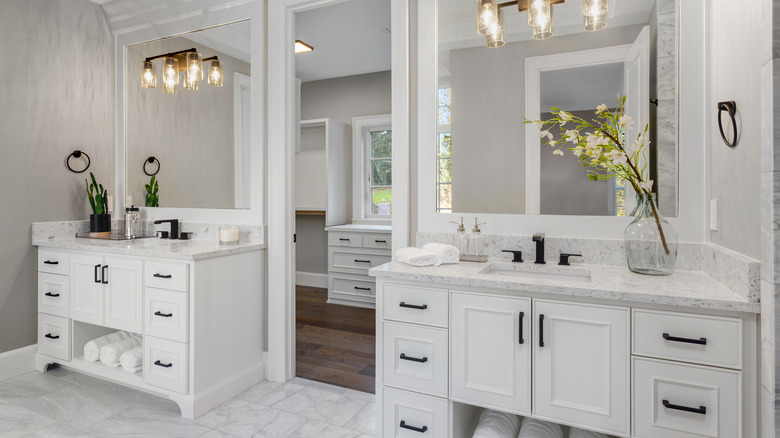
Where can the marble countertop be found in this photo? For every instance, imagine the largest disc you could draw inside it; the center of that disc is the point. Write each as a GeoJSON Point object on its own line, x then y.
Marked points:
{"type": "Point", "coordinates": [151, 247]}
{"type": "Point", "coordinates": [361, 228]}
{"type": "Point", "coordinates": [683, 288]}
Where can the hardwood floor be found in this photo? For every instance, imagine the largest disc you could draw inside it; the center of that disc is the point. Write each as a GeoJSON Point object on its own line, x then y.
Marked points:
{"type": "Point", "coordinates": [334, 344]}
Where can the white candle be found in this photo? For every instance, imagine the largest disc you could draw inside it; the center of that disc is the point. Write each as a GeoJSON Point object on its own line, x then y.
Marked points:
{"type": "Point", "coordinates": [228, 235]}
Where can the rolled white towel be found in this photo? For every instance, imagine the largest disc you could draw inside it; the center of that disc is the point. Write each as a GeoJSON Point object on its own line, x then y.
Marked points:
{"type": "Point", "coordinates": [132, 359]}
{"type": "Point", "coordinates": [448, 253]}
{"type": "Point", "coordinates": [582, 433]}
{"type": "Point", "coordinates": [92, 348]}
{"type": "Point", "coordinates": [133, 370]}
{"type": "Point", "coordinates": [495, 424]}
{"type": "Point", "coordinates": [111, 353]}
{"type": "Point", "coordinates": [418, 257]}
{"type": "Point", "coordinates": [533, 428]}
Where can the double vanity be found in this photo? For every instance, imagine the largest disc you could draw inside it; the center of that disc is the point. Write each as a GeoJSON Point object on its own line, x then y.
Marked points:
{"type": "Point", "coordinates": [591, 346]}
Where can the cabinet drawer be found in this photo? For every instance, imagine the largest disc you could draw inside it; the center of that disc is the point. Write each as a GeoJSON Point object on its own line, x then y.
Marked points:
{"type": "Point", "coordinates": [415, 358]}
{"type": "Point", "coordinates": [53, 262]}
{"type": "Point", "coordinates": [166, 314]}
{"type": "Point", "coordinates": [356, 263]}
{"type": "Point", "coordinates": [54, 294]}
{"type": "Point", "coordinates": [54, 336]}
{"type": "Point", "coordinates": [409, 415]}
{"type": "Point", "coordinates": [166, 364]}
{"type": "Point", "coordinates": [685, 401]}
{"type": "Point", "coordinates": [416, 305]}
{"type": "Point", "coordinates": [163, 275]}
{"type": "Point", "coordinates": [345, 239]}
{"type": "Point", "coordinates": [379, 241]}
{"type": "Point", "coordinates": [345, 286]}
{"type": "Point", "coordinates": [686, 337]}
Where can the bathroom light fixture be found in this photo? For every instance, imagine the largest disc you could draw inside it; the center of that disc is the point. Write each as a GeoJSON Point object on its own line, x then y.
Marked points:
{"type": "Point", "coordinates": [595, 13]}
{"type": "Point", "coordinates": [148, 78]}
{"type": "Point", "coordinates": [487, 14]}
{"type": "Point", "coordinates": [495, 34]}
{"type": "Point", "coordinates": [301, 47]}
{"type": "Point", "coordinates": [540, 18]}
{"type": "Point", "coordinates": [216, 75]}
{"type": "Point", "coordinates": [170, 75]}
{"type": "Point", "coordinates": [190, 62]}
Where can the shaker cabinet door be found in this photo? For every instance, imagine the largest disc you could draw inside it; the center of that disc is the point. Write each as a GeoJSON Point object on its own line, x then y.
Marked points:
{"type": "Point", "coordinates": [123, 294]}
{"type": "Point", "coordinates": [86, 288]}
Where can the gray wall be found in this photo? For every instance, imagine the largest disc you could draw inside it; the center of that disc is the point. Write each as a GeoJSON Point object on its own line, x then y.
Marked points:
{"type": "Point", "coordinates": [191, 132]}
{"type": "Point", "coordinates": [340, 99]}
{"type": "Point", "coordinates": [57, 96]}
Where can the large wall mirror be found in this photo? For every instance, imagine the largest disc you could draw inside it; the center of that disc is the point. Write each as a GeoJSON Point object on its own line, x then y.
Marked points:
{"type": "Point", "coordinates": [488, 161]}
{"type": "Point", "coordinates": [193, 136]}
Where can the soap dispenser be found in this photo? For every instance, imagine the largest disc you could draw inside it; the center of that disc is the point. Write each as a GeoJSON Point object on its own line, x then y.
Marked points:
{"type": "Point", "coordinates": [460, 237]}
{"type": "Point", "coordinates": [476, 247]}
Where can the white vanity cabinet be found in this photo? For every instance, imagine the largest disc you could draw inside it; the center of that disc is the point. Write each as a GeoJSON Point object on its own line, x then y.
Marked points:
{"type": "Point", "coordinates": [352, 250]}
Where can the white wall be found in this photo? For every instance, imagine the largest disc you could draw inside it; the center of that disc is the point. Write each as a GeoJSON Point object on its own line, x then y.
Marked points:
{"type": "Point", "coordinates": [56, 96]}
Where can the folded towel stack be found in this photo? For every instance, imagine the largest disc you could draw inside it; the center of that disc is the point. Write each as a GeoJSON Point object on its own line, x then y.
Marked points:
{"type": "Point", "coordinates": [92, 348]}
{"type": "Point", "coordinates": [132, 360]}
{"type": "Point", "coordinates": [495, 424]}
{"type": "Point", "coordinates": [111, 353]}
{"type": "Point", "coordinates": [533, 428]}
{"type": "Point", "coordinates": [448, 253]}
{"type": "Point", "coordinates": [418, 257]}
{"type": "Point", "coordinates": [582, 433]}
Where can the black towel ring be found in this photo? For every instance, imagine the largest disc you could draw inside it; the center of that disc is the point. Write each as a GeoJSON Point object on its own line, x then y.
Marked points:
{"type": "Point", "coordinates": [77, 154]}
{"type": "Point", "coordinates": [151, 160]}
{"type": "Point", "coordinates": [731, 109]}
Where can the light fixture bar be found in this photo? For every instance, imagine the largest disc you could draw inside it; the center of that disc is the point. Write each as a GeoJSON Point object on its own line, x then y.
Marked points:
{"type": "Point", "coordinates": [171, 55]}
{"type": "Point", "coordinates": [522, 5]}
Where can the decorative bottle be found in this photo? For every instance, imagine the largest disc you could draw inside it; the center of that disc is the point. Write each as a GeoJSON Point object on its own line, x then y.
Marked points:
{"type": "Point", "coordinates": [460, 237]}
{"type": "Point", "coordinates": [651, 241]}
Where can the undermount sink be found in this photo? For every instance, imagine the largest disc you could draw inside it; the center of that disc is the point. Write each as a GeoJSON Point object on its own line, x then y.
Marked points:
{"type": "Point", "coordinates": [537, 272]}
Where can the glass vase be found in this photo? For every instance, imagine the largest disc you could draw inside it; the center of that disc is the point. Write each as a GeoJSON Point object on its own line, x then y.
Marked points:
{"type": "Point", "coordinates": [651, 241]}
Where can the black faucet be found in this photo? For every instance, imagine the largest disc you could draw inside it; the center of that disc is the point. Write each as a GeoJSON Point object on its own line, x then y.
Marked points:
{"type": "Point", "coordinates": [517, 255]}
{"type": "Point", "coordinates": [539, 239]}
{"type": "Point", "coordinates": [564, 260]}
{"type": "Point", "coordinates": [174, 227]}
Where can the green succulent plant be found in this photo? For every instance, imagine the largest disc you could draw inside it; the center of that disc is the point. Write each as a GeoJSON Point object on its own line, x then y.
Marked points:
{"type": "Point", "coordinates": [152, 198]}
{"type": "Point", "coordinates": [99, 200]}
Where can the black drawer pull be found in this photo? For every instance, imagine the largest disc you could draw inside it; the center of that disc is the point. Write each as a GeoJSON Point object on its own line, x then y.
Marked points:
{"type": "Point", "coordinates": [49, 262]}
{"type": "Point", "coordinates": [161, 276]}
{"type": "Point", "coordinates": [97, 268]}
{"type": "Point", "coordinates": [416, 429]}
{"type": "Point", "coordinates": [522, 315]}
{"type": "Point", "coordinates": [164, 315]}
{"type": "Point", "coordinates": [414, 359]}
{"type": "Point", "coordinates": [700, 341]}
{"type": "Point", "coordinates": [362, 288]}
{"type": "Point", "coordinates": [104, 274]}
{"type": "Point", "coordinates": [164, 365]}
{"type": "Point", "coordinates": [49, 294]}
{"type": "Point", "coordinates": [51, 336]}
{"type": "Point", "coordinates": [413, 306]}
{"type": "Point", "coordinates": [541, 330]}
{"type": "Point", "coordinates": [343, 239]}
{"type": "Point", "coordinates": [380, 241]}
{"type": "Point", "coordinates": [362, 261]}
{"type": "Point", "coordinates": [701, 410]}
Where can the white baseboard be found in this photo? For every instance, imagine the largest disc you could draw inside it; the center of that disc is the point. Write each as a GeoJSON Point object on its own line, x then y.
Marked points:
{"type": "Point", "coordinates": [311, 279]}
{"type": "Point", "coordinates": [17, 362]}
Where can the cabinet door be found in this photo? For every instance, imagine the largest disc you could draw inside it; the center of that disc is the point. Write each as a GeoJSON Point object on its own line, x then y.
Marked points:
{"type": "Point", "coordinates": [581, 365]}
{"type": "Point", "coordinates": [491, 351]}
{"type": "Point", "coordinates": [122, 281]}
{"type": "Point", "coordinates": [86, 289]}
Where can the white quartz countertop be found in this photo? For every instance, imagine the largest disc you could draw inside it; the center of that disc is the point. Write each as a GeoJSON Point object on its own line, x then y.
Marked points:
{"type": "Point", "coordinates": [361, 228]}
{"type": "Point", "coordinates": [683, 288]}
{"type": "Point", "coordinates": [151, 247]}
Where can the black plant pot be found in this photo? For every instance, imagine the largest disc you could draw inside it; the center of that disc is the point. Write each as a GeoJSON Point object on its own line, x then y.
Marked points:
{"type": "Point", "coordinates": [99, 223]}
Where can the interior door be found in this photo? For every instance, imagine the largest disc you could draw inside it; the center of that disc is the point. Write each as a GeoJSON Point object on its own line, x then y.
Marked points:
{"type": "Point", "coordinates": [86, 288]}
{"type": "Point", "coordinates": [123, 294]}
{"type": "Point", "coordinates": [636, 67]}
{"type": "Point", "coordinates": [581, 365]}
{"type": "Point", "coordinates": [491, 351]}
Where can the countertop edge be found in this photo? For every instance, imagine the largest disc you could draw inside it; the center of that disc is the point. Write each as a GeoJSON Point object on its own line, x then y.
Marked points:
{"type": "Point", "coordinates": [151, 251]}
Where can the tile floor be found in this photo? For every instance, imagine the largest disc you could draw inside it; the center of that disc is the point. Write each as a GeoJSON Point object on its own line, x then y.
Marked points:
{"type": "Point", "coordinates": [62, 403]}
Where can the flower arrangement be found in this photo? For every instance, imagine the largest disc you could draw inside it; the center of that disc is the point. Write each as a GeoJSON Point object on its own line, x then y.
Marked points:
{"type": "Point", "coordinates": [602, 147]}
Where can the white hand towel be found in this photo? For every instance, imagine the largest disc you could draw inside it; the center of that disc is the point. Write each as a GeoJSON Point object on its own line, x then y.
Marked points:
{"type": "Point", "coordinates": [533, 428]}
{"type": "Point", "coordinates": [111, 353]}
{"type": "Point", "coordinates": [495, 424]}
{"type": "Point", "coordinates": [133, 370]}
{"type": "Point", "coordinates": [418, 257]}
{"type": "Point", "coordinates": [582, 433]}
{"type": "Point", "coordinates": [448, 253]}
{"type": "Point", "coordinates": [92, 348]}
{"type": "Point", "coordinates": [132, 359]}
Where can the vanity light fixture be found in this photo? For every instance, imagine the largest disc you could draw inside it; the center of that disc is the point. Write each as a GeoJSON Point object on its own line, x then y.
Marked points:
{"type": "Point", "coordinates": [216, 75]}
{"type": "Point", "coordinates": [495, 34]}
{"type": "Point", "coordinates": [190, 62]}
{"type": "Point", "coordinates": [170, 75]}
{"type": "Point", "coordinates": [595, 13]}
{"type": "Point", "coordinates": [301, 47]}
{"type": "Point", "coordinates": [540, 18]}
{"type": "Point", "coordinates": [148, 78]}
{"type": "Point", "coordinates": [487, 14]}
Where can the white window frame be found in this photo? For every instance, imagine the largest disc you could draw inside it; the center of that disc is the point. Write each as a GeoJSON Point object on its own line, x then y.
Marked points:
{"type": "Point", "coordinates": [361, 140]}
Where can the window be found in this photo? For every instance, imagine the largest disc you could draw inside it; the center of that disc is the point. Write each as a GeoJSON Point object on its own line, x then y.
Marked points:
{"type": "Point", "coordinates": [444, 153]}
{"type": "Point", "coordinates": [372, 169]}
{"type": "Point", "coordinates": [381, 173]}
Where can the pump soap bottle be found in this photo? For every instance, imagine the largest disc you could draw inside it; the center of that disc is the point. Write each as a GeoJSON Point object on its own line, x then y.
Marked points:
{"type": "Point", "coordinates": [460, 238]}
{"type": "Point", "coordinates": [476, 248]}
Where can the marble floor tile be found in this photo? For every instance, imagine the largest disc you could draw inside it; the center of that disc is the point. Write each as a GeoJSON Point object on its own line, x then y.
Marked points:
{"type": "Point", "coordinates": [244, 420]}
{"type": "Point", "coordinates": [319, 385]}
{"type": "Point", "coordinates": [32, 384]}
{"type": "Point", "coordinates": [56, 430]}
{"type": "Point", "coordinates": [365, 420]}
{"type": "Point", "coordinates": [217, 434]}
{"type": "Point", "coordinates": [279, 394]}
{"type": "Point", "coordinates": [318, 429]}
{"type": "Point", "coordinates": [16, 420]}
{"type": "Point", "coordinates": [331, 407]}
{"type": "Point", "coordinates": [143, 422]}
{"type": "Point", "coordinates": [259, 391]}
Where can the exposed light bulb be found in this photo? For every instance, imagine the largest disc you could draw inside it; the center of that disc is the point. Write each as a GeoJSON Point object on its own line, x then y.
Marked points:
{"type": "Point", "coordinates": [170, 75]}
{"type": "Point", "coordinates": [495, 36]}
{"type": "Point", "coordinates": [487, 16]}
{"type": "Point", "coordinates": [595, 14]}
{"type": "Point", "coordinates": [148, 78]}
{"type": "Point", "coordinates": [540, 18]}
{"type": "Point", "coordinates": [216, 76]}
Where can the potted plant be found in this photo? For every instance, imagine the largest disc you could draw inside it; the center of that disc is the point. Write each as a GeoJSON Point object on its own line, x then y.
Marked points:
{"type": "Point", "coordinates": [152, 198]}
{"type": "Point", "coordinates": [100, 219]}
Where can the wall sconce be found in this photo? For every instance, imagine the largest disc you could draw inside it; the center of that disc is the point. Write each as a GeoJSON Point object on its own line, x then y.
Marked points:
{"type": "Point", "coordinates": [595, 13]}
{"type": "Point", "coordinates": [495, 35]}
{"type": "Point", "coordinates": [148, 78]}
{"type": "Point", "coordinates": [487, 14]}
{"type": "Point", "coordinates": [540, 18]}
{"type": "Point", "coordinates": [170, 75]}
{"type": "Point", "coordinates": [216, 76]}
{"type": "Point", "coordinates": [188, 61]}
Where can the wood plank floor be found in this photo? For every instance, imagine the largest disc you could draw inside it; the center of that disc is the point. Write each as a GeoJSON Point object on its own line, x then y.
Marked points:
{"type": "Point", "coordinates": [334, 344]}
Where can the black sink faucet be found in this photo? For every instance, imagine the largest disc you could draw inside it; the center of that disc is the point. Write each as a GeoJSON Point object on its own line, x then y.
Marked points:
{"type": "Point", "coordinates": [539, 239]}
{"type": "Point", "coordinates": [174, 226]}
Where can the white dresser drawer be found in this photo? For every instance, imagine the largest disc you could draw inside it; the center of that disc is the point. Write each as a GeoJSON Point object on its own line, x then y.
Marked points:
{"type": "Point", "coordinates": [708, 340]}
{"type": "Point", "coordinates": [53, 262]}
{"type": "Point", "coordinates": [353, 240]}
{"type": "Point", "coordinates": [166, 314]}
{"type": "Point", "coordinates": [166, 364]}
{"type": "Point", "coordinates": [409, 415]}
{"type": "Point", "coordinates": [54, 294]}
{"type": "Point", "coordinates": [54, 336]}
{"type": "Point", "coordinates": [379, 241]}
{"type": "Point", "coordinates": [346, 286]}
{"type": "Point", "coordinates": [357, 263]}
{"type": "Point", "coordinates": [164, 275]}
{"type": "Point", "coordinates": [415, 358]}
{"type": "Point", "coordinates": [685, 401]}
{"type": "Point", "coordinates": [416, 305]}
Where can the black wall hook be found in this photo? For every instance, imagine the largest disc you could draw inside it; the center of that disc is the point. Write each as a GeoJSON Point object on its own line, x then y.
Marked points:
{"type": "Point", "coordinates": [77, 154]}
{"type": "Point", "coordinates": [151, 160]}
{"type": "Point", "coordinates": [730, 107]}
